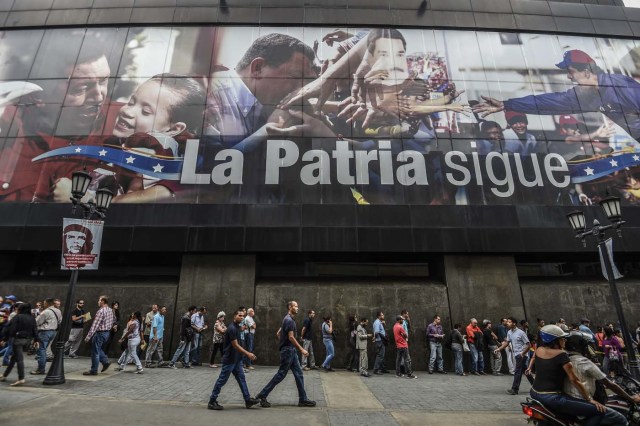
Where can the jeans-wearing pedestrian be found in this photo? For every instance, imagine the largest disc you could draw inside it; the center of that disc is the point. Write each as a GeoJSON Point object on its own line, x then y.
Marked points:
{"type": "Point", "coordinates": [327, 339]}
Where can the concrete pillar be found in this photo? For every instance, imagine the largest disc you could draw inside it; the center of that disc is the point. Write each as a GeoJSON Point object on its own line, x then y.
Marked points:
{"type": "Point", "coordinates": [482, 287]}
{"type": "Point", "coordinates": [219, 282]}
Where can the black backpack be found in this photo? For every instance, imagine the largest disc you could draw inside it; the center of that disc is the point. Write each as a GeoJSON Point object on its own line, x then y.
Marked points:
{"type": "Point", "coordinates": [448, 340]}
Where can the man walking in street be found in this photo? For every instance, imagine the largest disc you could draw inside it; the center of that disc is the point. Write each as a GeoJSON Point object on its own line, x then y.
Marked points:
{"type": "Point", "coordinates": [155, 337]}
{"type": "Point", "coordinates": [288, 360]}
{"type": "Point", "coordinates": [250, 335]}
{"type": "Point", "coordinates": [98, 334]}
{"type": "Point", "coordinates": [187, 334]}
{"type": "Point", "coordinates": [491, 342]}
{"type": "Point", "coordinates": [520, 348]}
{"type": "Point", "coordinates": [308, 362]}
{"type": "Point", "coordinates": [198, 326]}
{"type": "Point", "coordinates": [435, 334]}
{"type": "Point", "coordinates": [47, 322]}
{"type": "Point", "coordinates": [232, 364]}
{"type": "Point", "coordinates": [475, 339]}
{"type": "Point", "coordinates": [362, 337]}
{"type": "Point", "coordinates": [77, 327]}
{"type": "Point", "coordinates": [402, 346]}
{"type": "Point", "coordinates": [381, 340]}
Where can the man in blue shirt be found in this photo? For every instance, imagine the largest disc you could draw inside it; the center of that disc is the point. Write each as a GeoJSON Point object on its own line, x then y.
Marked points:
{"type": "Point", "coordinates": [288, 360]}
{"type": "Point", "coordinates": [520, 347]}
{"type": "Point", "coordinates": [584, 327]}
{"type": "Point", "coordinates": [615, 95]}
{"type": "Point", "coordinates": [381, 341]}
{"type": "Point", "coordinates": [232, 364]}
{"type": "Point", "coordinates": [155, 337]}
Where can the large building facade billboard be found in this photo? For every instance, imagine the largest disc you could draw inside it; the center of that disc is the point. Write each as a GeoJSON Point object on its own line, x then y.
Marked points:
{"type": "Point", "coordinates": [240, 115]}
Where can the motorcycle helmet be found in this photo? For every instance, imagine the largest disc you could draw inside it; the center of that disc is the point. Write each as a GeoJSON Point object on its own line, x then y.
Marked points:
{"type": "Point", "coordinates": [549, 333]}
{"type": "Point", "coordinates": [578, 342]}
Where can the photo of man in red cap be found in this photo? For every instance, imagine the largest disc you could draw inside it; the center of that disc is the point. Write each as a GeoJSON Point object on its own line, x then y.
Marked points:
{"type": "Point", "coordinates": [615, 95]}
{"type": "Point", "coordinates": [516, 137]}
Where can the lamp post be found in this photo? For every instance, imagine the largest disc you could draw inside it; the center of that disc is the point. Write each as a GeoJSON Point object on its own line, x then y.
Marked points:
{"type": "Point", "coordinates": [611, 208]}
{"type": "Point", "coordinates": [79, 184]}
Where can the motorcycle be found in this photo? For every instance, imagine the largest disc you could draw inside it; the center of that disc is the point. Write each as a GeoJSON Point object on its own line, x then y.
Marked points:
{"type": "Point", "coordinates": [540, 415]}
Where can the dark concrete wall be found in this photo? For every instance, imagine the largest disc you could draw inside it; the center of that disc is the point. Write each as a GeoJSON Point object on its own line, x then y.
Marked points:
{"type": "Point", "coordinates": [483, 287]}
{"type": "Point", "coordinates": [133, 295]}
{"type": "Point", "coordinates": [342, 298]}
{"type": "Point", "coordinates": [552, 299]}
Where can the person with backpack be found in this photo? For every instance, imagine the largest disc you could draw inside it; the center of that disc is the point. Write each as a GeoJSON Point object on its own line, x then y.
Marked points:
{"type": "Point", "coordinates": [22, 329]}
{"type": "Point", "coordinates": [186, 337]}
{"type": "Point", "coordinates": [435, 335]}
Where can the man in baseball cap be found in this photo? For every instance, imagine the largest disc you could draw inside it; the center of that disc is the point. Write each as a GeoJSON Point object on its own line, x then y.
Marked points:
{"type": "Point", "coordinates": [516, 137]}
{"type": "Point", "coordinates": [615, 95]}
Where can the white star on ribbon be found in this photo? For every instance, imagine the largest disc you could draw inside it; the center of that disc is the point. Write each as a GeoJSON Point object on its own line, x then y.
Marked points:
{"type": "Point", "coordinates": [158, 168]}
{"type": "Point", "coordinates": [636, 158]}
{"type": "Point", "coordinates": [613, 163]}
{"type": "Point", "coordinates": [589, 171]}
{"type": "Point", "coordinates": [78, 149]}
{"type": "Point", "coordinates": [130, 159]}
{"type": "Point", "coordinates": [102, 153]}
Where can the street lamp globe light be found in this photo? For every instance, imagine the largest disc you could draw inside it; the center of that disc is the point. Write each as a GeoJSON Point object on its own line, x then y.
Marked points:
{"type": "Point", "coordinates": [577, 221]}
{"type": "Point", "coordinates": [80, 181]}
{"type": "Point", "coordinates": [103, 199]}
{"type": "Point", "coordinates": [611, 207]}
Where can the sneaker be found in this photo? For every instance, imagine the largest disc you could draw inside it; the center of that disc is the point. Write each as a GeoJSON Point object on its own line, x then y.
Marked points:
{"type": "Point", "coordinates": [18, 383]}
{"type": "Point", "coordinates": [105, 367]}
{"type": "Point", "coordinates": [475, 373]}
{"type": "Point", "coordinates": [37, 372]}
{"type": "Point", "coordinates": [139, 371]}
{"type": "Point", "coordinates": [412, 376]}
{"type": "Point", "coordinates": [430, 371]}
{"type": "Point", "coordinates": [89, 373]}
{"type": "Point", "coordinates": [307, 403]}
{"type": "Point", "coordinates": [263, 402]}
{"type": "Point", "coordinates": [172, 365]}
{"type": "Point", "coordinates": [482, 373]}
{"type": "Point", "coordinates": [251, 368]}
{"type": "Point", "coordinates": [365, 374]}
{"type": "Point", "coordinates": [73, 356]}
{"type": "Point", "coordinates": [442, 372]}
{"type": "Point", "coordinates": [512, 392]}
{"type": "Point", "coordinates": [213, 405]}
{"type": "Point", "coordinates": [306, 369]}
{"type": "Point", "coordinates": [245, 370]}
{"type": "Point", "coordinates": [377, 373]}
{"type": "Point", "coordinates": [120, 368]}
{"type": "Point", "coordinates": [399, 375]}
{"type": "Point", "coordinates": [251, 402]}
{"type": "Point", "coordinates": [185, 366]}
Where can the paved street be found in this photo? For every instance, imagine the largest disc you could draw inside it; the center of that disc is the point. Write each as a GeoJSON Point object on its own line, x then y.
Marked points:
{"type": "Point", "coordinates": [343, 398]}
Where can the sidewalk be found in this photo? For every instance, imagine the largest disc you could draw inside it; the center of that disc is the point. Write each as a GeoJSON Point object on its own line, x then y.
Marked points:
{"type": "Point", "coordinates": [343, 398]}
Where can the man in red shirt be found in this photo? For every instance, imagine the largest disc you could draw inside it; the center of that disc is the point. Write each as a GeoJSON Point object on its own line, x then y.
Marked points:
{"type": "Point", "coordinates": [477, 357]}
{"type": "Point", "coordinates": [402, 354]}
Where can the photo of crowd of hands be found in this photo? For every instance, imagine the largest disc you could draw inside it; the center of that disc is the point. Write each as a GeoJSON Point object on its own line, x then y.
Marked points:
{"type": "Point", "coordinates": [124, 102]}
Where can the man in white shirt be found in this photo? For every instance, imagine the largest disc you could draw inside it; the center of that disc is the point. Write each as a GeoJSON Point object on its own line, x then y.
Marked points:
{"type": "Point", "coordinates": [198, 325]}
{"type": "Point", "coordinates": [250, 323]}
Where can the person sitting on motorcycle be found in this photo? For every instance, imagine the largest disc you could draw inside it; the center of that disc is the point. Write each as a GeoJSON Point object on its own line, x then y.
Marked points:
{"type": "Point", "coordinates": [591, 377]}
{"type": "Point", "coordinates": [553, 366]}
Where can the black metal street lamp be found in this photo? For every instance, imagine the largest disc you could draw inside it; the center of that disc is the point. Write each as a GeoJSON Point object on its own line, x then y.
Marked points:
{"type": "Point", "coordinates": [611, 208]}
{"type": "Point", "coordinates": [79, 184]}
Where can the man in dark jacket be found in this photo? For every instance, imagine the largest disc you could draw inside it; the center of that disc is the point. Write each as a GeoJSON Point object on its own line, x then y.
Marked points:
{"type": "Point", "coordinates": [186, 336]}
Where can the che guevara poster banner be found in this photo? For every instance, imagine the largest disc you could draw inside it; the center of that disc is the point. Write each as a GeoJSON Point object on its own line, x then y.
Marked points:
{"type": "Point", "coordinates": [293, 115]}
{"type": "Point", "coordinates": [81, 240]}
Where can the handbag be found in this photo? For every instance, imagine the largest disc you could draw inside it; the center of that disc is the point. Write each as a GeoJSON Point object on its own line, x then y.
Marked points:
{"type": "Point", "coordinates": [465, 346]}
{"type": "Point", "coordinates": [143, 345]}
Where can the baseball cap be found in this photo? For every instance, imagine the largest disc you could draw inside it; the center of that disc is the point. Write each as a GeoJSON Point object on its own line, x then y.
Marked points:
{"type": "Point", "coordinates": [584, 319]}
{"type": "Point", "coordinates": [399, 317]}
{"type": "Point", "coordinates": [568, 120]}
{"type": "Point", "coordinates": [11, 297]}
{"type": "Point", "coordinates": [515, 117]}
{"type": "Point", "coordinates": [573, 57]}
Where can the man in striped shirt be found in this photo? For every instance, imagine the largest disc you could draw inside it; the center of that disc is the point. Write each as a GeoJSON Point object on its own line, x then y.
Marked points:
{"type": "Point", "coordinates": [98, 334]}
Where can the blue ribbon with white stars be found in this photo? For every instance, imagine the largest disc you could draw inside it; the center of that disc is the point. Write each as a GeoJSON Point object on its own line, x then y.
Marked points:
{"type": "Point", "coordinates": [130, 159]}
{"type": "Point", "coordinates": [596, 169]}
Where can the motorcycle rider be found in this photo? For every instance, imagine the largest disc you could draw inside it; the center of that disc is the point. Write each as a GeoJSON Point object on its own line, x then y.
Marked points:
{"type": "Point", "coordinates": [553, 366]}
{"type": "Point", "coordinates": [591, 376]}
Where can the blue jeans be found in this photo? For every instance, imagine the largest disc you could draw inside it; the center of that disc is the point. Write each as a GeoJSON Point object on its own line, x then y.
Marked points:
{"type": "Point", "coordinates": [457, 356]}
{"type": "Point", "coordinates": [249, 340]}
{"type": "Point", "coordinates": [8, 351]}
{"type": "Point", "coordinates": [328, 344]}
{"type": "Point", "coordinates": [378, 365]}
{"type": "Point", "coordinates": [477, 359]}
{"type": "Point", "coordinates": [194, 351]}
{"type": "Point", "coordinates": [45, 338]}
{"type": "Point", "coordinates": [97, 354]}
{"type": "Point", "coordinates": [238, 373]}
{"type": "Point", "coordinates": [288, 361]}
{"type": "Point", "coordinates": [183, 349]}
{"type": "Point", "coordinates": [564, 404]}
{"type": "Point", "coordinates": [436, 356]}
